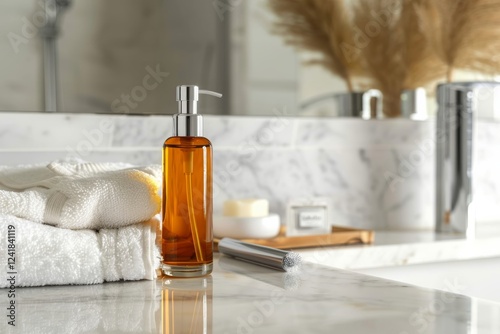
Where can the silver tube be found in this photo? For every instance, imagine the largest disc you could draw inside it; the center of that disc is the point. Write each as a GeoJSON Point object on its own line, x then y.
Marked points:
{"type": "Point", "coordinates": [260, 255]}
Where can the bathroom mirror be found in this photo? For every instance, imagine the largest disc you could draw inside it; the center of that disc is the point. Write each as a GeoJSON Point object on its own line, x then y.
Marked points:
{"type": "Point", "coordinates": [127, 57]}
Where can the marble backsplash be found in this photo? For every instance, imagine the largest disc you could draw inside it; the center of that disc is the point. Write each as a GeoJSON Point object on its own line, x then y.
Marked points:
{"type": "Point", "coordinates": [377, 174]}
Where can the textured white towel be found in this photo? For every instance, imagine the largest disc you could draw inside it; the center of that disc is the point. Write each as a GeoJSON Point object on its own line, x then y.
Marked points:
{"type": "Point", "coordinates": [46, 255]}
{"type": "Point", "coordinates": [79, 195]}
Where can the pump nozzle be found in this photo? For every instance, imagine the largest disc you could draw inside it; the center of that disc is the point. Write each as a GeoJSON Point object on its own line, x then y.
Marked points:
{"type": "Point", "coordinates": [209, 92]}
{"type": "Point", "coordinates": [187, 122]}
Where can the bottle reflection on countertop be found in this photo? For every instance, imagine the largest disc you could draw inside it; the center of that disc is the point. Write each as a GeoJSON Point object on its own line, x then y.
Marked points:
{"type": "Point", "coordinates": [187, 305]}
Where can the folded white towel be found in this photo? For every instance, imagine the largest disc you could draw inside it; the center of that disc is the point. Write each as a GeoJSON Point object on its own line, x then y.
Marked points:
{"type": "Point", "coordinates": [79, 195]}
{"type": "Point", "coordinates": [46, 255]}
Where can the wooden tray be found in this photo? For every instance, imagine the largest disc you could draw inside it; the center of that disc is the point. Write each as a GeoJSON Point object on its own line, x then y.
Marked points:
{"type": "Point", "coordinates": [339, 236]}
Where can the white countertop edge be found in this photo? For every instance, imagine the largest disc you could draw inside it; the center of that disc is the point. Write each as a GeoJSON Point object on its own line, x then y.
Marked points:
{"type": "Point", "coordinates": [394, 249]}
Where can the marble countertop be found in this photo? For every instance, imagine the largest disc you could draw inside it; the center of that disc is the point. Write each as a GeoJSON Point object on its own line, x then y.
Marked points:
{"type": "Point", "coordinates": [244, 298]}
{"type": "Point", "coordinates": [392, 248]}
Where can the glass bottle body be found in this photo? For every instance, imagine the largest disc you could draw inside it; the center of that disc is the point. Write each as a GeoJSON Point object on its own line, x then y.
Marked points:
{"type": "Point", "coordinates": [187, 237]}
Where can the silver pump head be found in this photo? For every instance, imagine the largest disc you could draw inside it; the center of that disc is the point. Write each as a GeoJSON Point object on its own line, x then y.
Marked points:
{"type": "Point", "coordinates": [188, 123]}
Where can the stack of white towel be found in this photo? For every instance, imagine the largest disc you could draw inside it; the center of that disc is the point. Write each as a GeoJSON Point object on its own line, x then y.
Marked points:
{"type": "Point", "coordinates": [72, 222]}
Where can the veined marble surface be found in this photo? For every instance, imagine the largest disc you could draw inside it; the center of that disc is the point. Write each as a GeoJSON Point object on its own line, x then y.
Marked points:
{"type": "Point", "coordinates": [244, 298]}
{"type": "Point", "coordinates": [377, 174]}
{"type": "Point", "coordinates": [396, 248]}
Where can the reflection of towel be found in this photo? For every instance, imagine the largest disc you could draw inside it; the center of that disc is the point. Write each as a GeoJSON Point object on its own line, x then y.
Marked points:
{"type": "Point", "coordinates": [46, 255]}
{"type": "Point", "coordinates": [80, 195]}
{"type": "Point", "coordinates": [125, 307]}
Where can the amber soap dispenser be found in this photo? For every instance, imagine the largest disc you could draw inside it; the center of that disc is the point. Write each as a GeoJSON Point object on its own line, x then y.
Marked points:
{"type": "Point", "coordinates": [187, 237]}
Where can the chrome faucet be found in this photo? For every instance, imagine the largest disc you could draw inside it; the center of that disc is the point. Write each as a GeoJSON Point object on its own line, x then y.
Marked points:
{"type": "Point", "coordinates": [458, 110]}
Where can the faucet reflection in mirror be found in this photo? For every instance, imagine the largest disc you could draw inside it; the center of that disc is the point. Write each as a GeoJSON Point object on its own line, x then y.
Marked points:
{"type": "Point", "coordinates": [362, 104]}
{"type": "Point", "coordinates": [49, 33]}
{"type": "Point", "coordinates": [393, 46]}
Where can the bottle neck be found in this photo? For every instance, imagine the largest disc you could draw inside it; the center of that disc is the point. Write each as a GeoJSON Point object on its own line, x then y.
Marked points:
{"type": "Point", "coordinates": [188, 125]}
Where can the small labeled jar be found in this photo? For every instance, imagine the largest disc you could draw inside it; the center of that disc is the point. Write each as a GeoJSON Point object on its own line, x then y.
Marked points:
{"type": "Point", "coordinates": [308, 216]}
